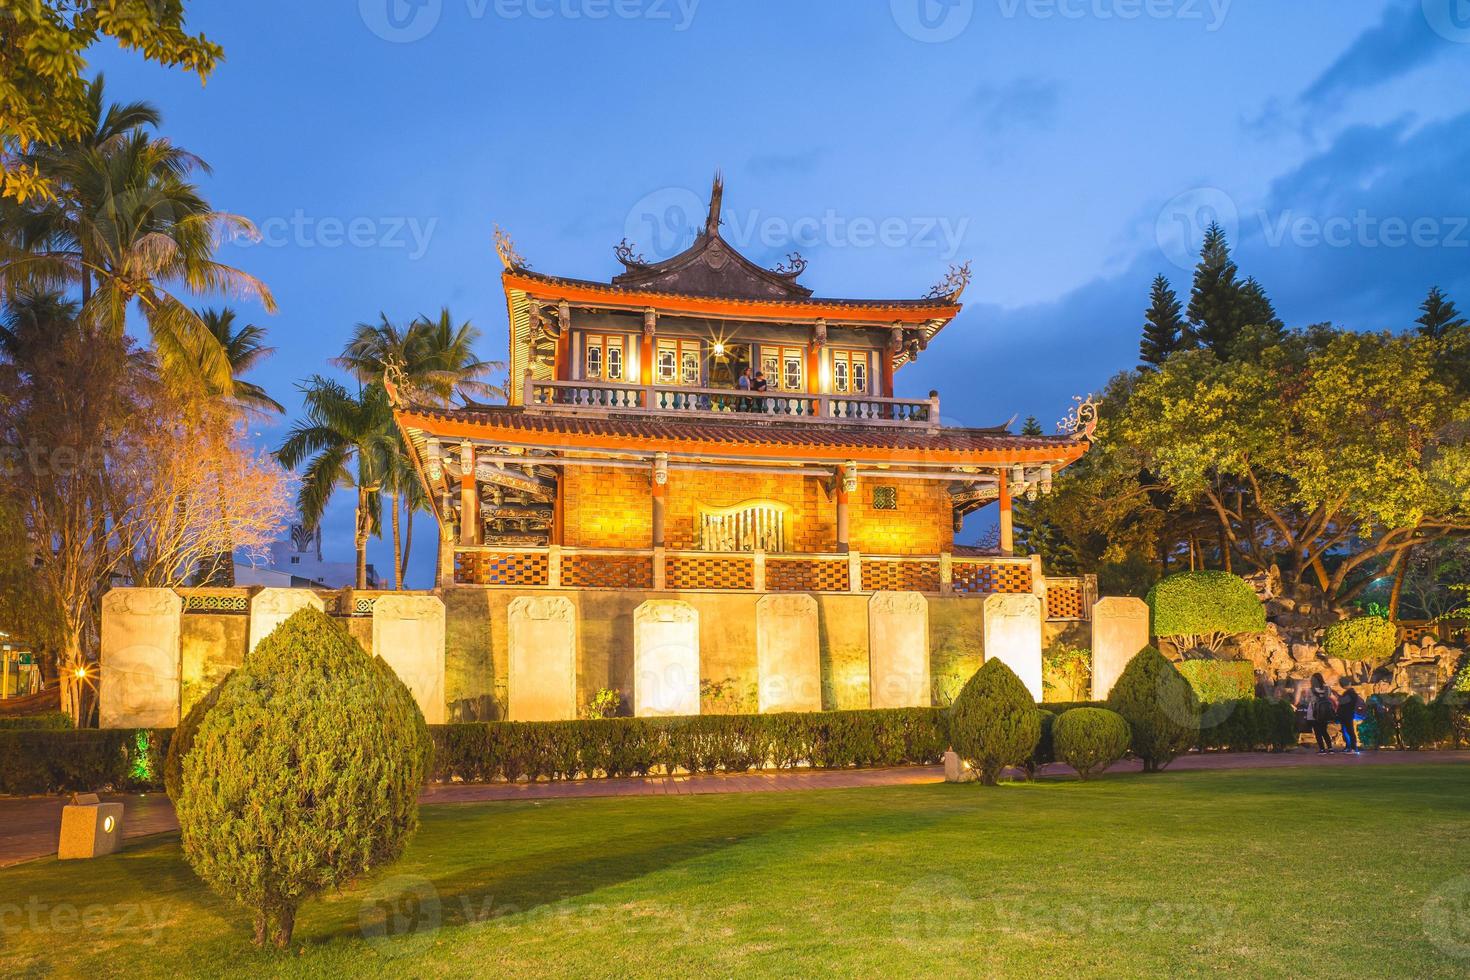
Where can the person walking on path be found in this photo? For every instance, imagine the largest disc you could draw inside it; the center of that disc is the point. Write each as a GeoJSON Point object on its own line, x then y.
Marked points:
{"type": "Point", "coordinates": [1349, 703]}
{"type": "Point", "coordinates": [1321, 709]}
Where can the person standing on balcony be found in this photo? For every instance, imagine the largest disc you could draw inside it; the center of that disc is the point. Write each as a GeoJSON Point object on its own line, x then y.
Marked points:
{"type": "Point", "coordinates": [743, 384]}
{"type": "Point", "coordinates": [760, 384]}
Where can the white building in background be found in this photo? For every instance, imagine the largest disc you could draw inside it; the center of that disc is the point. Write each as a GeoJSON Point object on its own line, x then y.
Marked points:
{"type": "Point", "coordinates": [298, 563]}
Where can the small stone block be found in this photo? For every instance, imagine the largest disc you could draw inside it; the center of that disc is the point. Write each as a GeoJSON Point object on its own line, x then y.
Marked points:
{"type": "Point", "coordinates": [89, 830]}
{"type": "Point", "coordinates": [955, 770]}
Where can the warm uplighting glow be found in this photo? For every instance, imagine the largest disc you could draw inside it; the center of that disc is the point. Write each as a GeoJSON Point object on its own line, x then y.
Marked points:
{"type": "Point", "coordinates": [719, 348]}
{"type": "Point", "coordinates": [108, 822]}
{"type": "Point", "coordinates": [80, 672]}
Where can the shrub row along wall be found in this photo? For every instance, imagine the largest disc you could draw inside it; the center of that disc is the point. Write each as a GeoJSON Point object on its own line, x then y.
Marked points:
{"type": "Point", "coordinates": [57, 761]}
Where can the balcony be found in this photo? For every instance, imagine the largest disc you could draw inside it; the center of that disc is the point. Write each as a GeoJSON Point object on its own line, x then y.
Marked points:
{"type": "Point", "coordinates": [664, 401]}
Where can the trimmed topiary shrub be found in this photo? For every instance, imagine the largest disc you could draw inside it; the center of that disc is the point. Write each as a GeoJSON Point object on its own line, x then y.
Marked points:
{"type": "Point", "coordinates": [1415, 724]}
{"type": "Point", "coordinates": [183, 740]}
{"type": "Point", "coordinates": [1193, 609]}
{"type": "Point", "coordinates": [304, 775]}
{"type": "Point", "coordinates": [1220, 680]}
{"type": "Point", "coordinates": [1159, 706]}
{"type": "Point", "coordinates": [1362, 639]}
{"type": "Point", "coordinates": [993, 722]}
{"type": "Point", "coordinates": [47, 721]}
{"type": "Point", "coordinates": [1045, 751]}
{"type": "Point", "coordinates": [1091, 739]}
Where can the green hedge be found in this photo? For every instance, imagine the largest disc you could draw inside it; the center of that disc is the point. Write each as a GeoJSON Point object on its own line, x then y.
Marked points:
{"type": "Point", "coordinates": [41, 761]}
{"type": "Point", "coordinates": [1202, 604]}
{"type": "Point", "coordinates": [1369, 639]}
{"type": "Point", "coordinates": [51, 721]}
{"type": "Point", "coordinates": [1248, 725]}
{"type": "Point", "coordinates": [1219, 680]}
{"type": "Point", "coordinates": [485, 751]}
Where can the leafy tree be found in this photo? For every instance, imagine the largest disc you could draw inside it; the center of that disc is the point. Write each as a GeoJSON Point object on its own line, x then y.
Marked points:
{"type": "Point", "coordinates": [1438, 316]}
{"type": "Point", "coordinates": [1163, 327]}
{"type": "Point", "coordinates": [343, 441]}
{"type": "Point", "coordinates": [131, 231]}
{"type": "Point", "coordinates": [43, 95]}
{"type": "Point", "coordinates": [304, 775]}
{"type": "Point", "coordinates": [1159, 706]}
{"type": "Point", "coordinates": [994, 722]}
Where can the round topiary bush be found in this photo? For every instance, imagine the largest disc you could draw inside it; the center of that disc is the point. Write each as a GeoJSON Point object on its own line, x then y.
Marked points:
{"type": "Point", "coordinates": [994, 723]}
{"type": "Point", "coordinates": [1090, 739]}
{"type": "Point", "coordinates": [1203, 609]}
{"type": "Point", "coordinates": [183, 740]}
{"type": "Point", "coordinates": [304, 775]}
{"type": "Point", "coordinates": [1362, 639]}
{"type": "Point", "coordinates": [1160, 707]}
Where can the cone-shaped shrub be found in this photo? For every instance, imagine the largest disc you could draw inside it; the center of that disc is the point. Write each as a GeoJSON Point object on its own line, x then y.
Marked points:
{"type": "Point", "coordinates": [183, 740]}
{"type": "Point", "coordinates": [1090, 739]}
{"type": "Point", "coordinates": [994, 723]}
{"type": "Point", "coordinates": [304, 774]}
{"type": "Point", "coordinates": [1159, 706]}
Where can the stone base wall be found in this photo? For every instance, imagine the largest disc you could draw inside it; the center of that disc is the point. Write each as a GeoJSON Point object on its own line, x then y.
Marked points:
{"type": "Point", "coordinates": [477, 648]}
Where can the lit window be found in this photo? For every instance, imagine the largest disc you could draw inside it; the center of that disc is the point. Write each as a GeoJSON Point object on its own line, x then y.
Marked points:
{"type": "Point", "coordinates": [784, 368]}
{"type": "Point", "coordinates": [791, 371]}
{"type": "Point", "coordinates": [689, 368]}
{"type": "Point", "coordinates": [604, 358]}
{"type": "Point", "coordinates": [850, 371]}
{"type": "Point", "coordinates": [678, 361]}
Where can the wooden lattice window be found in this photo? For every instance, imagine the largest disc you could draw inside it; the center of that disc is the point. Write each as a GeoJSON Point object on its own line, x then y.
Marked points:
{"type": "Point", "coordinates": [850, 372]}
{"type": "Point", "coordinates": [806, 575]}
{"type": "Point", "coordinates": [752, 525]}
{"type": "Point", "coordinates": [885, 498]}
{"type": "Point", "coordinates": [687, 572]}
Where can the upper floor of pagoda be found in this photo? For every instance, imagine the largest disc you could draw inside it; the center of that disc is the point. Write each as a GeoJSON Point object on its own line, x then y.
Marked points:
{"type": "Point", "coordinates": [711, 331]}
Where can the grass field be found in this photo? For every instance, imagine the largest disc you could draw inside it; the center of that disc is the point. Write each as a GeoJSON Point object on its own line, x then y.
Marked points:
{"type": "Point", "coordinates": [1294, 872]}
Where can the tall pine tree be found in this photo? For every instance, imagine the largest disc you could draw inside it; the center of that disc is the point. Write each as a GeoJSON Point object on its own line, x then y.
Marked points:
{"type": "Point", "coordinates": [1438, 315]}
{"type": "Point", "coordinates": [1163, 328]}
{"type": "Point", "coordinates": [1215, 301]}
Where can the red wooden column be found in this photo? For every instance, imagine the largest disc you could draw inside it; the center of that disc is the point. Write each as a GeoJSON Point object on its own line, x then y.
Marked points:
{"type": "Point", "coordinates": [846, 486]}
{"type": "Point", "coordinates": [888, 354]}
{"type": "Point", "coordinates": [469, 505]}
{"type": "Point", "coordinates": [814, 380]}
{"type": "Point", "coordinates": [564, 342]}
{"type": "Point", "coordinates": [1007, 533]}
{"type": "Point", "coordinates": [659, 494]}
{"type": "Point", "coordinates": [645, 352]}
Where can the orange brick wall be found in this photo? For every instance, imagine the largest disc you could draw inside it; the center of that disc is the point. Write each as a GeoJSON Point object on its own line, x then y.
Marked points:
{"type": "Point", "coordinates": [611, 508]}
{"type": "Point", "coordinates": [922, 525]}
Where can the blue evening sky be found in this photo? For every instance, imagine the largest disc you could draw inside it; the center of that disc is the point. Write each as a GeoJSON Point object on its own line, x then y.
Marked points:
{"type": "Point", "coordinates": [1070, 149]}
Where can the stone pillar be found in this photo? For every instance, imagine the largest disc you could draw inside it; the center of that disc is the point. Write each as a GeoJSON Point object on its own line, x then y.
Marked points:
{"type": "Point", "coordinates": [408, 633]}
{"type": "Point", "coordinates": [469, 506]}
{"type": "Point", "coordinates": [138, 683]}
{"type": "Point", "coordinates": [1119, 631]}
{"type": "Point", "coordinates": [1007, 534]}
{"type": "Point", "coordinates": [1012, 628]}
{"type": "Point", "coordinates": [898, 650]}
{"type": "Point", "coordinates": [660, 492]}
{"type": "Point", "coordinates": [542, 656]}
{"type": "Point", "coordinates": [665, 658]}
{"type": "Point", "coordinates": [445, 572]}
{"type": "Point", "coordinates": [846, 486]}
{"type": "Point", "coordinates": [788, 653]}
{"type": "Point", "coordinates": [270, 608]}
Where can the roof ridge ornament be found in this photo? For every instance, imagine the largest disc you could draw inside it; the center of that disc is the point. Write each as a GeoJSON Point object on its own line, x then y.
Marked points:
{"type": "Point", "coordinates": [793, 267]}
{"type": "Point", "coordinates": [716, 202]}
{"type": "Point", "coordinates": [624, 250]}
{"type": "Point", "coordinates": [1081, 421]}
{"type": "Point", "coordinates": [506, 249]}
{"type": "Point", "coordinates": [953, 284]}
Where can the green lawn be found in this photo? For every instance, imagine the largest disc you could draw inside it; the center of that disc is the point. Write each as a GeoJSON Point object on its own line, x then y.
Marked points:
{"type": "Point", "coordinates": [1295, 872]}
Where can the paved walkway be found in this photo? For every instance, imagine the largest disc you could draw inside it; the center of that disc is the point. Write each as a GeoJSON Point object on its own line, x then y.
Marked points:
{"type": "Point", "coordinates": [28, 825]}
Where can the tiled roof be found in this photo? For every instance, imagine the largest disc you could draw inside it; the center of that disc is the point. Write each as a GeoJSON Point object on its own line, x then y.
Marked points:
{"type": "Point", "coordinates": [797, 438]}
{"type": "Point", "coordinates": [941, 306]}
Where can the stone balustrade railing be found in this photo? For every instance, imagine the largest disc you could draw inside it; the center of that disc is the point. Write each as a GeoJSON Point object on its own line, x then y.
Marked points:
{"type": "Point", "coordinates": [678, 401]}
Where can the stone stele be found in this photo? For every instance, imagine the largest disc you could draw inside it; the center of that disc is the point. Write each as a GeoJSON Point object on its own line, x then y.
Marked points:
{"type": "Point", "coordinates": [1013, 635]}
{"type": "Point", "coordinates": [665, 658]}
{"type": "Point", "coordinates": [898, 650]}
{"type": "Point", "coordinates": [408, 633]}
{"type": "Point", "coordinates": [138, 684]}
{"type": "Point", "coordinates": [788, 654]}
{"type": "Point", "coordinates": [542, 638]}
{"type": "Point", "coordinates": [270, 608]}
{"type": "Point", "coordinates": [1119, 631]}
{"type": "Point", "coordinates": [89, 829]}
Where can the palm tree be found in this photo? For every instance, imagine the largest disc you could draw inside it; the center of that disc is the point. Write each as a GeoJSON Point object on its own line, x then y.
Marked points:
{"type": "Point", "coordinates": [244, 348]}
{"type": "Point", "coordinates": [342, 442]}
{"type": "Point", "coordinates": [436, 360]}
{"type": "Point", "coordinates": [131, 230]}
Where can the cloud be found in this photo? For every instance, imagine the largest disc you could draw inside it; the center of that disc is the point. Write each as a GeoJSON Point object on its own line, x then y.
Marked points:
{"type": "Point", "coordinates": [1022, 103]}
{"type": "Point", "coordinates": [1400, 42]}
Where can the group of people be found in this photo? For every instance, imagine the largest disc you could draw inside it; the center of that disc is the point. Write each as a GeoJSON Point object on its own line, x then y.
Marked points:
{"type": "Point", "coordinates": [1323, 708]}
{"type": "Point", "coordinates": [749, 382]}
